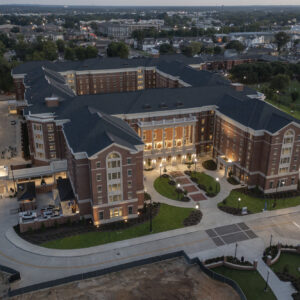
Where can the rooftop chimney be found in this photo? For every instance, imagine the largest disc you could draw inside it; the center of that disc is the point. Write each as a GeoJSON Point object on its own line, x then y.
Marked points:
{"type": "Point", "coordinates": [52, 101]}
{"type": "Point", "coordinates": [239, 87]}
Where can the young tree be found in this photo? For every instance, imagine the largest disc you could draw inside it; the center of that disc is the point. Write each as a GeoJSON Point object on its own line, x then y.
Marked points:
{"type": "Point", "coordinates": [279, 82]}
{"type": "Point", "coordinates": [237, 45]}
{"type": "Point", "coordinates": [118, 49]}
{"type": "Point", "coordinates": [60, 45]}
{"type": "Point", "coordinates": [166, 49]}
{"type": "Point", "coordinates": [294, 96]}
{"type": "Point", "coordinates": [281, 39]}
{"type": "Point", "coordinates": [91, 52]}
{"type": "Point", "coordinates": [80, 53]}
{"type": "Point", "coordinates": [50, 50]}
{"type": "Point", "coordinates": [69, 53]}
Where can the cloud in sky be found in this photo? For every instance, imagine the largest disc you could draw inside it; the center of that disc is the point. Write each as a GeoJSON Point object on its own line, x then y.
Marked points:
{"type": "Point", "coordinates": [154, 2]}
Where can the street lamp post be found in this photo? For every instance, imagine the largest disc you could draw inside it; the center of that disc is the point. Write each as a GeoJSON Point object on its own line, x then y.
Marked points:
{"type": "Point", "coordinates": [271, 240]}
{"type": "Point", "coordinates": [160, 166]}
{"type": "Point", "coordinates": [239, 200]}
{"type": "Point", "coordinates": [150, 214]}
{"type": "Point", "coordinates": [236, 245]}
{"type": "Point", "coordinates": [195, 161]}
{"type": "Point", "coordinates": [266, 287]}
{"type": "Point", "coordinates": [217, 181]}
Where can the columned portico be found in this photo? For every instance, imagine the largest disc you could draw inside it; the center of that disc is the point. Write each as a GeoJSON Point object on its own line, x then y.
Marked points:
{"type": "Point", "coordinates": [168, 140]}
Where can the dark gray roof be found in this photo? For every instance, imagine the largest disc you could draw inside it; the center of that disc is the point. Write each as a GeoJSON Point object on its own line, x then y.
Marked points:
{"type": "Point", "coordinates": [26, 191]}
{"type": "Point", "coordinates": [92, 126]}
{"type": "Point", "coordinates": [91, 131]}
{"type": "Point", "coordinates": [65, 189]}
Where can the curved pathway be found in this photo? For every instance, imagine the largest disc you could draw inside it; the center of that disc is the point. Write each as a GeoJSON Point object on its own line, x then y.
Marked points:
{"type": "Point", "coordinates": [37, 264]}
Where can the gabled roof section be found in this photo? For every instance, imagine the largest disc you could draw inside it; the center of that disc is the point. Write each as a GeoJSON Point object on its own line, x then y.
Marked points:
{"type": "Point", "coordinates": [90, 131]}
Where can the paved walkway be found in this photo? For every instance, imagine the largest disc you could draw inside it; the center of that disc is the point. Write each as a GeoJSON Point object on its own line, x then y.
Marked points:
{"type": "Point", "coordinates": [282, 290]}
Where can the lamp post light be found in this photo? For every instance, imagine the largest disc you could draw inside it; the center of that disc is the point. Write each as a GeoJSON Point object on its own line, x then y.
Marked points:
{"type": "Point", "coordinates": [178, 187]}
{"type": "Point", "coordinates": [195, 161]}
{"type": "Point", "coordinates": [197, 206]}
{"type": "Point", "coordinates": [160, 166]}
{"type": "Point", "coordinates": [217, 181]}
{"type": "Point", "coordinates": [239, 200]}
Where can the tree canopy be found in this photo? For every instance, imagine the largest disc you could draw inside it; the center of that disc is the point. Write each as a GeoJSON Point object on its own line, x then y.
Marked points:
{"type": "Point", "coordinates": [118, 49]}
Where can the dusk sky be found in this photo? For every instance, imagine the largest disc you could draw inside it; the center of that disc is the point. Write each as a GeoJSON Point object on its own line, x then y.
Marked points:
{"type": "Point", "coordinates": [154, 2]}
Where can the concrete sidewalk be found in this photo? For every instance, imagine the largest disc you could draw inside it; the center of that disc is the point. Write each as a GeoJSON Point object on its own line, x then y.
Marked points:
{"type": "Point", "coordinates": [282, 290]}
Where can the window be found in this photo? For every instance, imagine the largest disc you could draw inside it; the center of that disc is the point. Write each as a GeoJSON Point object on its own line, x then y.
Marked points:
{"type": "Point", "coordinates": [52, 147]}
{"type": "Point", "coordinates": [101, 215]}
{"type": "Point", "coordinates": [99, 177]}
{"type": "Point", "coordinates": [99, 188]}
{"type": "Point", "coordinates": [286, 151]}
{"type": "Point", "coordinates": [114, 198]}
{"type": "Point", "coordinates": [52, 155]}
{"type": "Point", "coordinates": [129, 173]}
{"type": "Point", "coordinates": [38, 137]}
{"type": "Point", "coordinates": [203, 121]}
{"type": "Point", "coordinates": [129, 184]}
{"type": "Point", "coordinates": [129, 160]}
{"type": "Point", "coordinates": [283, 170]}
{"type": "Point", "coordinates": [113, 176]}
{"type": "Point", "coordinates": [98, 164]}
{"type": "Point", "coordinates": [114, 187]}
{"type": "Point", "coordinates": [129, 195]}
{"type": "Point", "coordinates": [285, 160]}
{"type": "Point", "coordinates": [292, 180]}
{"type": "Point", "coordinates": [39, 146]}
{"type": "Point", "coordinates": [130, 210]}
{"type": "Point", "coordinates": [100, 199]}
{"type": "Point", "coordinates": [115, 212]}
{"type": "Point", "coordinates": [50, 127]}
{"type": "Point", "coordinates": [271, 184]}
{"type": "Point", "coordinates": [51, 137]}
{"type": "Point", "coordinates": [37, 127]}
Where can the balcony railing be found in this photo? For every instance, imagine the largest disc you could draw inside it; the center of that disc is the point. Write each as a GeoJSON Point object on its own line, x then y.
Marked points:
{"type": "Point", "coordinates": [168, 122]}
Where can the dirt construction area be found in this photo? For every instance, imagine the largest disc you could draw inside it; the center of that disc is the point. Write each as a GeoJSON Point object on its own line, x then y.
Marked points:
{"type": "Point", "coordinates": [170, 279]}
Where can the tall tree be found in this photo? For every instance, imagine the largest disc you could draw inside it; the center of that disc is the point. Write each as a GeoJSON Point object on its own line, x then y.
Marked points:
{"type": "Point", "coordinates": [118, 49]}
{"type": "Point", "coordinates": [281, 39]}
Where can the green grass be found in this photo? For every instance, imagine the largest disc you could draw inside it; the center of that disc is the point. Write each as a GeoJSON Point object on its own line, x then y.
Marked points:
{"type": "Point", "coordinates": [250, 282]}
{"type": "Point", "coordinates": [285, 98]}
{"type": "Point", "coordinates": [207, 181]}
{"type": "Point", "coordinates": [288, 259]}
{"type": "Point", "coordinates": [162, 186]}
{"type": "Point", "coordinates": [256, 205]}
{"type": "Point", "coordinates": [168, 218]}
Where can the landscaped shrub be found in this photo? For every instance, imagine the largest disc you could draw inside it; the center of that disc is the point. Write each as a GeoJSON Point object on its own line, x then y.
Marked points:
{"type": "Point", "coordinates": [171, 182]}
{"type": "Point", "coordinates": [147, 196]}
{"type": "Point", "coordinates": [209, 165]}
{"type": "Point", "coordinates": [193, 219]}
{"type": "Point", "coordinates": [235, 260]}
{"type": "Point", "coordinates": [188, 173]}
{"type": "Point", "coordinates": [232, 180]}
{"type": "Point", "coordinates": [165, 176]}
{"type": "Point", "coordinates": [194, 179]}
{"type": "Point", "coordinates": [202, 187]}
{"type": "Point", "coordinates": [272, 251]}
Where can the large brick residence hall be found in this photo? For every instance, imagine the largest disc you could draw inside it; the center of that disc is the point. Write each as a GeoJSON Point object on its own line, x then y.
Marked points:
{"type": "Point", "coordinates": [111, 118]}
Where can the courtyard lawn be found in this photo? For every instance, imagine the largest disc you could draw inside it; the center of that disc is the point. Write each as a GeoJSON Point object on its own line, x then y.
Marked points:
{"type": "Point", "coordinates": [291, 260]}
{"type": "Point", "coordinates": [162, 186]}
{"type": "Point", "coordinates": [168, 218]}
{"type": "Point", "coordinates": [256, 205]}
{"type": "Point", "coordinates": [250, 282]}
{"type": "Point", "coordinates": [209, 182]}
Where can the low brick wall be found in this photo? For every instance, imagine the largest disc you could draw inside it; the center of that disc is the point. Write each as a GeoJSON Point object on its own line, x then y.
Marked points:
{"type": "Point", "coordinates": [270, 261]}
{"type": "Point", "coordinates": [231, 265]}
{"type": "Point", "coordinates": [35, 225]}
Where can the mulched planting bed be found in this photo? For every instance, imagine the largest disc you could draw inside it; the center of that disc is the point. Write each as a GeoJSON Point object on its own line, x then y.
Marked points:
{"type": "Point", "coordinates": [193, 219]}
